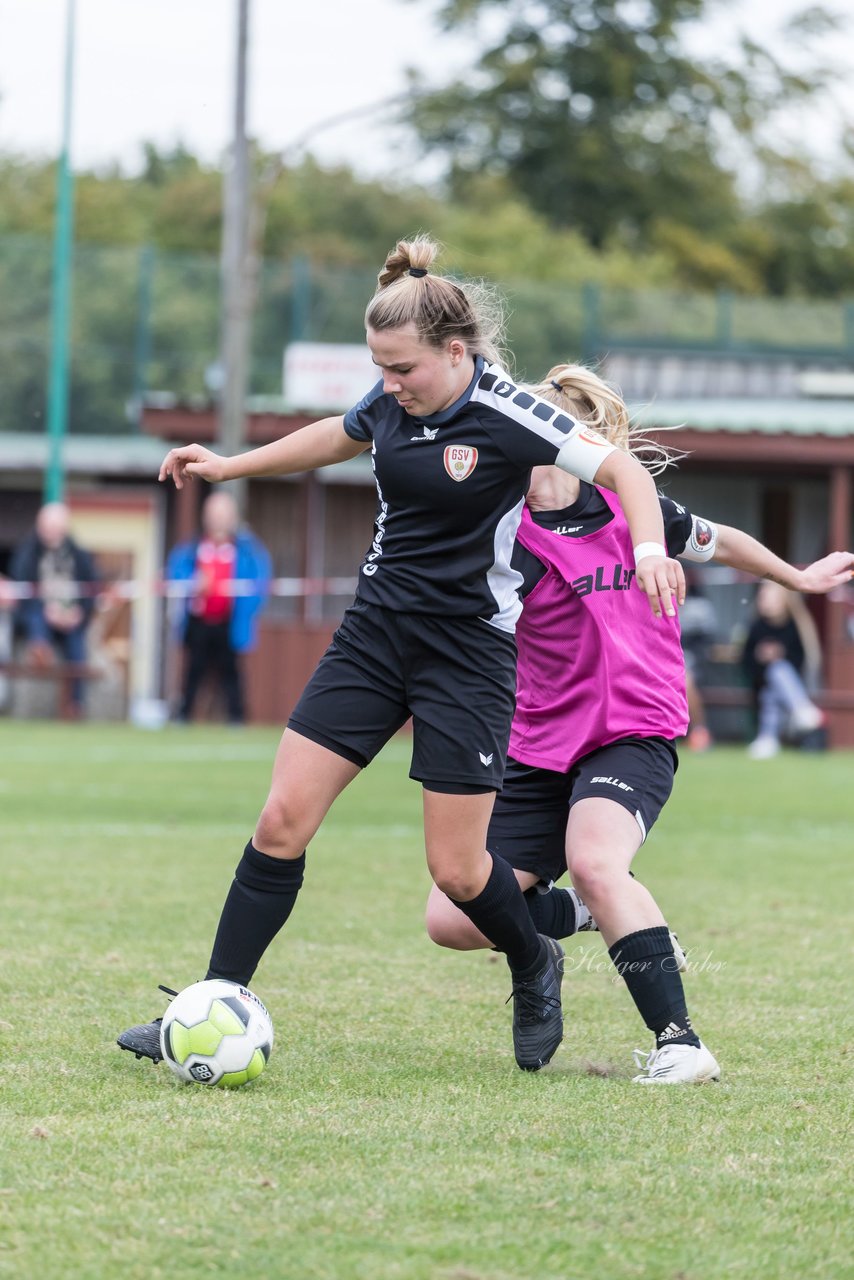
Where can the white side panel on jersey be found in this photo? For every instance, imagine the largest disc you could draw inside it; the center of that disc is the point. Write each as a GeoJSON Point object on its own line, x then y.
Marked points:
{"type": "Point", "coordinates": [502, 579]}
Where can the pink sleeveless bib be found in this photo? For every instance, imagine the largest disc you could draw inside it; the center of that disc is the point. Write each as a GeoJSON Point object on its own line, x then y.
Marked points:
{"type": "Point", "coordinates": [594, 664]}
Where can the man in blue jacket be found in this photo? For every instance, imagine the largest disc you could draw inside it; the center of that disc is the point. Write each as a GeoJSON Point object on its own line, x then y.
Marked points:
{"type": "Point", "coordinates": [229, 571]}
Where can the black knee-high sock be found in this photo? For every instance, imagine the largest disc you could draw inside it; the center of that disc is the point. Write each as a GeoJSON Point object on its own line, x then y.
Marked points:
{"type": "Point", "coordinates": [261, 898]}
{"type": "Point", "coordinates": [647, 965]}
{"type": "Point", "coordinates": [500, 913]}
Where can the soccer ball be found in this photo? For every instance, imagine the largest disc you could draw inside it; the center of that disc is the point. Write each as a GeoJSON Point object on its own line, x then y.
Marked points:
{"type": "Point", "coordinates": [218, 1033]}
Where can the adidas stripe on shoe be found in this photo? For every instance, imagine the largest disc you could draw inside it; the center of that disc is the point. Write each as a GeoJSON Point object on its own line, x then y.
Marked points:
{"type": "Point", "coordinates": [676, 1064]}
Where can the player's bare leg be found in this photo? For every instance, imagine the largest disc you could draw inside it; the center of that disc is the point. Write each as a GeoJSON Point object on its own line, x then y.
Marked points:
{"type": "Point", "coordinates": [602, 839]}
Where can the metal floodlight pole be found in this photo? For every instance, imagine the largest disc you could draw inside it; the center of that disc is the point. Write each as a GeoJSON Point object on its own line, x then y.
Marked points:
{"type": "Point", "coordinates": [236, 269]}
{"type": "Point", "coordinates": [57, 400]}
{"type": "Point", "coordinates": [243, 222]}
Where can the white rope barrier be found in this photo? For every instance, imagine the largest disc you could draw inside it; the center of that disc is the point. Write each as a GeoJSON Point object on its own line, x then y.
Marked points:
{"type": "Point", "coordinates": [134, 589]}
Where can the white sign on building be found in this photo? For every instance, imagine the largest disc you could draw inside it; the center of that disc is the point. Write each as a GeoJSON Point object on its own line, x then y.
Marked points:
{"type": "Point", "coordinates": [321, 376]}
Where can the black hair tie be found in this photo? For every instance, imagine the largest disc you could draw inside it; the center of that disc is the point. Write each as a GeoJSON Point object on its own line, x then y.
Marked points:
{"type": "Point", "coordinates": [418, 272]}
{"type": "Point", "coordinates": [556, 385]}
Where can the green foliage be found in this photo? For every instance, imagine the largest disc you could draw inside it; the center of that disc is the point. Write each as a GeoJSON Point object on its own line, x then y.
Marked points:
{"type": "Point", "coordinates": [593, 111]}
{"type": "Point", "coordinates": [24, 316]}
{"type": "Point", "coordinates": [392, 1135]}
{"type": "Point", "coordinates": [146, 285]}
{"type": "Point", "coordinates": [336, 218]}
{"type": "Point", "coordinates": [585, 145]}
{"type": "Point", "coordinates": [27, 196]}
{"type": "Point", "coordinates": [109, 314]}
{"type": "Point", "coordinates": [601, 121]}
{"type": "Point", "coordinates": [809, 246]}
{"type": "Point", "coordinates": [149, 318]}
{"type": "Point", "coordinates": [495, 233]}
{"type": "Point", "coordinates": [705, 263]}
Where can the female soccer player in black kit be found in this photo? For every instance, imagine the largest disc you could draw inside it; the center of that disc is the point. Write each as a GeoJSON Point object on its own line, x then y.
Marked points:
{"type": "Point", "coordinates": [430, 632]}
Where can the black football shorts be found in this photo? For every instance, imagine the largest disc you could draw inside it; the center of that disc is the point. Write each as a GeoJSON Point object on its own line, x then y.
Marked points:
{"type": "Point", "coordinates": [456, 678]}
{"type": "Point", "coordinates": [528, 824]}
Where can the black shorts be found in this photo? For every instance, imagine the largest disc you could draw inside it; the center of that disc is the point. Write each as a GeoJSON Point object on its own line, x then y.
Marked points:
{"type": "Point", "coordinates": [456, 677]}
{"type": "Point", "coordinates": [528, 824]}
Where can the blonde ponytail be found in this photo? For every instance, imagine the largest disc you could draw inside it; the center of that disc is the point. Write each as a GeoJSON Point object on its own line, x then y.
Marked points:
{"type": "Point", "coordinates": [583, 394]}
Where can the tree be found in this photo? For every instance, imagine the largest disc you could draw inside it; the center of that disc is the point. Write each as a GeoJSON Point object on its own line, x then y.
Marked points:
{"type": "Point", "coordinates": [598, 115]}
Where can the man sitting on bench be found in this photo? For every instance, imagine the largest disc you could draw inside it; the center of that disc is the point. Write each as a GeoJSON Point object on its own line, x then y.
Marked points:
{"type": "Point", "coordinates": [55, 618]}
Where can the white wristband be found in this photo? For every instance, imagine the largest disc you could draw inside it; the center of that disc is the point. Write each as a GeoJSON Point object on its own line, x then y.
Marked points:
{"type": "Point", "coordinates": [648, 549]}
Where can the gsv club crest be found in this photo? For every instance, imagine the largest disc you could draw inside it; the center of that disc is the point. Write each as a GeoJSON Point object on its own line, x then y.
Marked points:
{"type": "Point", "coordinates": [460, 460]}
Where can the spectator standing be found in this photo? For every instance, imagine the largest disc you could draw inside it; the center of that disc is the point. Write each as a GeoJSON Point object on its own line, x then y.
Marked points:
{"type": "Point", "coordinates": [55, 618]}
{"type": "Point", "coordinates": [229, 569]}
{"type": "Point", "coordinates": [780, 654]}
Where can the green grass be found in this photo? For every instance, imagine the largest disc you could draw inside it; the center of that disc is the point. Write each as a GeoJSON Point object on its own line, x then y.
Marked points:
{"type": "Point", "coordinates": [392, 1137]}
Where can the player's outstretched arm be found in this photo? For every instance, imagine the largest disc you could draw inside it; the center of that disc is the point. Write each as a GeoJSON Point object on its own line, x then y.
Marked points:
{"type": "Point", "coordinates": [739, 550]}
{"type": "Point", "coordinates": [317, 445]}
{"type": "Point", "coordinates": [661, 577]}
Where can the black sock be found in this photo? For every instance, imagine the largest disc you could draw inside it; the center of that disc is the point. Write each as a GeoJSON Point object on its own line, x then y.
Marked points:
{"type": "Point", "coordinates": [553, 913]}
{"type": "Point", "coordinates": [500, 913]}
{"type": "Point", "coordinates": [647, 965]}
{"type": "Point", "coordinates": [261, 898]}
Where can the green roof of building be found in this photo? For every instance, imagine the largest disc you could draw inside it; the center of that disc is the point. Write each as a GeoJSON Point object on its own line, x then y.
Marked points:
{"type": "Point", "coordinates": [103, 455]}
{"type": "Point", "coordinates": [770, 417]}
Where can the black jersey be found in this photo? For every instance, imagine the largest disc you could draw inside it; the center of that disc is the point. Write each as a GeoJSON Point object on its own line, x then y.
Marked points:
{"type": "Point", "coordinates": [451, 488]}
{"type": "Point", "coordinates": [589, 513]}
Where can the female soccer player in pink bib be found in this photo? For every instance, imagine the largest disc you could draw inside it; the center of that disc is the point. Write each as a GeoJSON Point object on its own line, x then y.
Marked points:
{"type": "Point", "coordinates": [600, 702]}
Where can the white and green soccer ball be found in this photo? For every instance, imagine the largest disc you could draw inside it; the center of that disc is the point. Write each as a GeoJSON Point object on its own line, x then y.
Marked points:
{"type": "Point", "coordinates": [216, 1033]}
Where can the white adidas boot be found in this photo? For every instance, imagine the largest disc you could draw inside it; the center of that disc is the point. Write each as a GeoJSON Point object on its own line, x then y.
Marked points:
{"type": "Point", "coordinates": [676, 1064]}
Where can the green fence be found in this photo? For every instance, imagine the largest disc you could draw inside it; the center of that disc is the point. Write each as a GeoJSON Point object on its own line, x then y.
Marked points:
{"type": "Point", "coordinates": [146, 321]}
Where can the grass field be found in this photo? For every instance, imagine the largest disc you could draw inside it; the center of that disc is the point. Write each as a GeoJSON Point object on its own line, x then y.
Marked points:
{"type": "Point", "coordinates": [392, 1137]}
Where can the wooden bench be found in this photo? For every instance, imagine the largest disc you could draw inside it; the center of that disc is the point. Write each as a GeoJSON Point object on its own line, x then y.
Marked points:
{"type": "Point", "coordinates": [63, 674]}
{"type": "Point", "coordinates": [731, 716]}
{"type": "Point", "coordinates": [740, 696]}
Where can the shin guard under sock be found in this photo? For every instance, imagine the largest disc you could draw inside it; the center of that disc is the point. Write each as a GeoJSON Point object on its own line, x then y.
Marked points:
{"type": "Point", "coordinates": [647, 965]}
{"type": "Point", "coordinates": [261, 898]}
{"type": "Point", "coordinates": [501, 914]}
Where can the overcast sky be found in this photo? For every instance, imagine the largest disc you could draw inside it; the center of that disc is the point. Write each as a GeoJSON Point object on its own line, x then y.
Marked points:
{"type": "Point", "coordinates": [162, 70]}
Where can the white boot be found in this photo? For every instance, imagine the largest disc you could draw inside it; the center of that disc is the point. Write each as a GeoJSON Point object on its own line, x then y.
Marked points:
{"type": "Point", "coordinates": [676, 1064]}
